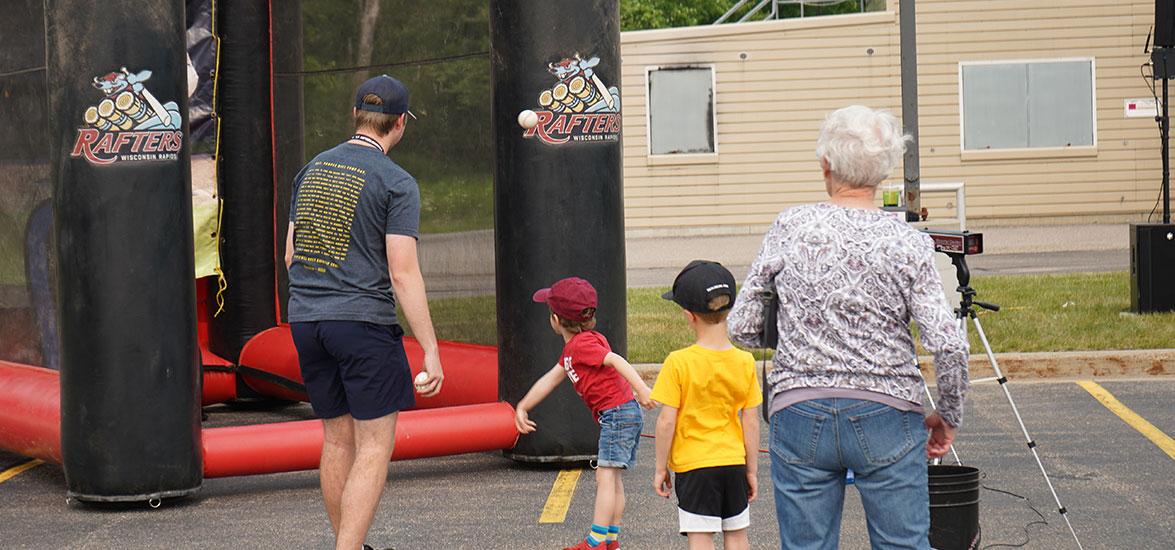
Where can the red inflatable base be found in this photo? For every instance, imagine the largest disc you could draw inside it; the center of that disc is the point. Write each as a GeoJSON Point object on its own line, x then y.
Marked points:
{"type": "Point", "coordinates": [294, 446]}
{"type": "Point", "coordinates": [30, 411]}
{"type": "Point", "coordinates": [269, 365]}
{"type": "Point", "coordinates": [30, 425]}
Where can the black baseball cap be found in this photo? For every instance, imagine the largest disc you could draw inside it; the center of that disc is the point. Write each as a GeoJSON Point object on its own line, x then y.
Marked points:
{"type": "Point", "coordinates": [392, 93]}
{"type": "Point", "coordinates": [700, 282]}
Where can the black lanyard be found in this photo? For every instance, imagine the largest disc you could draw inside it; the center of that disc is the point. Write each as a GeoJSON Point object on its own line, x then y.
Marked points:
{"type": "Point", "coordinates": [370, 141]}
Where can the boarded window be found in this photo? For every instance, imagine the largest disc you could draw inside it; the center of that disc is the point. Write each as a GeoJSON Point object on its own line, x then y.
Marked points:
{"type": "Point", "coordinates": [681, 110]}
{"type": "Point", "coordinates": [1019, 105]}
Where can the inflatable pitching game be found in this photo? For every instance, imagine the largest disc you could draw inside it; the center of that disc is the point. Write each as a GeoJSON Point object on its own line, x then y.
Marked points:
{"type": "Point", "coordinates": [144, 190]}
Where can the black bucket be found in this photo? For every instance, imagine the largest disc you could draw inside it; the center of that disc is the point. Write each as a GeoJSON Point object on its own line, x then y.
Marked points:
{"type": "Point", "coordinates": [954, 507]}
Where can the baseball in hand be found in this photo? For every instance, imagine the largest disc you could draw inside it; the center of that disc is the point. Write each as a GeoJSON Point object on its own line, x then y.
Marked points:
{"type": "Point", "coordinates": [528, 119]}
{"type": "Point", "coordinates": [420, 380]}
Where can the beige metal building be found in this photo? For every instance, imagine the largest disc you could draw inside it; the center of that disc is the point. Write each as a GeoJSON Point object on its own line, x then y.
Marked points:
{"type": "Point", "coordinates": [1029, 103]}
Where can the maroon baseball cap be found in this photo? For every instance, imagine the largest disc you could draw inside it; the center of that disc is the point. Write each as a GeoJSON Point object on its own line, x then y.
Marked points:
{"type": "Point", "coordinates": [572, 298]}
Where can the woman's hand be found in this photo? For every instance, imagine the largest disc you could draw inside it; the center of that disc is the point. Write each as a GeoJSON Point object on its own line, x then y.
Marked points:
{"type": "Point", "coordinates": [941, 436]}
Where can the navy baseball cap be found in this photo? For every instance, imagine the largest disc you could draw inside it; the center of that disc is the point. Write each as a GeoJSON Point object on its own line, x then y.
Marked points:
{"type": "Point", "coordinates": [392, 93]}
{"type": "Point", "coordinates": [700, 282]}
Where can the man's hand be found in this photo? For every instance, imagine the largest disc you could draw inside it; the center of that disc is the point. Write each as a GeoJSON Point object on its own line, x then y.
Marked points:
{"type": "Point", "coordinates": [941, 436]}
{"type": "Point", "coordinates": [523, 422]}
{"type": "Point", "coordinates": [436, 375]}
{"type": "Point", "coordinates": [662, 483]}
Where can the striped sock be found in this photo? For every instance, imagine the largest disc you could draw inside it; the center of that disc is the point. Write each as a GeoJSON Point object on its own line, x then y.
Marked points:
{"type": "Point", "coordinates": [613, 533]}
{"type": "Point", "coordinates": [597, 535]}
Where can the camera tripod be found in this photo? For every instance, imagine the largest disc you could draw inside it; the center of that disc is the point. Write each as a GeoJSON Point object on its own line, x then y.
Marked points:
{"type": "Point", "coordinates": [968, 309]}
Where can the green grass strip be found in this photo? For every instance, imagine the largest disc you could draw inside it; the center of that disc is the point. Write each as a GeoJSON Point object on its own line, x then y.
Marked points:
{"type": "Point", "coordinates": [1083, 311]}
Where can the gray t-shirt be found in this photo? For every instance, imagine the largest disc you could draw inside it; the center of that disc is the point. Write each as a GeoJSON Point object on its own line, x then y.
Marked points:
{"type": "Point", "coordinates": [344, 203]}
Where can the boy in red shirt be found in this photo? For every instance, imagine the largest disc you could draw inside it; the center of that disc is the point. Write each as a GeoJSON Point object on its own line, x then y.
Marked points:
{"type": "Point", "coordinates": [605, 382]}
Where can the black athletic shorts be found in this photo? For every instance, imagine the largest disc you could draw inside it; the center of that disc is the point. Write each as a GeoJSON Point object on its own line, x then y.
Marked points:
{"type": "Point", "coordinates": [714, 499]}
{"type": "Point", "coordinates": [354, 367]}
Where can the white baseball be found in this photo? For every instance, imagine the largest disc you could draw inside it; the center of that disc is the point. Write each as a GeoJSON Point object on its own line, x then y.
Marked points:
{"type": "Point", "coordinates": [528, 119]}
{"type": "Point", "coordinates": [421, 379]}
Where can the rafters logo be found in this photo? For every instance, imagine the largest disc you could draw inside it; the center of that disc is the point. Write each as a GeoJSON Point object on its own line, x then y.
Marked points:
{"type": "Point", "coordinates": [129, 123]}
{"type": "Point", "coordinates": [579, 107]}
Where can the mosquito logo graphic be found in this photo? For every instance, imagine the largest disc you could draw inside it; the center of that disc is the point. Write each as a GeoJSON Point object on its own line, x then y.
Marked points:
{"type": "Point", "coordinates": [129, 123]}
{"type": "Point", "coordinates": [579, 107]}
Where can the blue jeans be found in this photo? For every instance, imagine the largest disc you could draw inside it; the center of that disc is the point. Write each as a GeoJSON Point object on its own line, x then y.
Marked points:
{"type": "Point", "coordinates": [813, 442]}
{"type": "Point", "coordinates": [620, 432]}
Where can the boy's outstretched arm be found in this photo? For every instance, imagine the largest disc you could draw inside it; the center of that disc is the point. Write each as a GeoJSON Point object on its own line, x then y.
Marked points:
{"type": "Point", "coordinates": [539, 391]}
{"type": "Point", "coordinates": [666, 424]}
{"type": "Point", "coordinates": [750, 419]}
{"type": "Point", "coordinates": [625, 369]}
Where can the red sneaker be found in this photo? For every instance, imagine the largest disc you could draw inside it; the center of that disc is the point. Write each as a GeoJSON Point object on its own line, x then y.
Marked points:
{"type": "Point", "coordinates": [614, 545]}
{"type": "Point", "coordinates": [583, 545]}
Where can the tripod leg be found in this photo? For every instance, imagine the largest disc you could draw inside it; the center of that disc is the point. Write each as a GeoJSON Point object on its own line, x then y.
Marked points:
{"type": "Point", "coordinates": [930, 399]}
{"type": "Point", "coordinates": [1031, 443]}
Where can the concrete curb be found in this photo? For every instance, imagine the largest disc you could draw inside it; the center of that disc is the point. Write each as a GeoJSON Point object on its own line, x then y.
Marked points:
{"type": "Point", "coordinates": [1028, 366]}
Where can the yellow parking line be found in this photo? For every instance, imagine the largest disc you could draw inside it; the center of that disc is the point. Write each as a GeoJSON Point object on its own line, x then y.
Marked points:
{"type": "Point", "coordinates": [555, 511]}
{"type": "Point", "coordinates": [16, 470]}
{"type": "Point", "coordinates": [1139, 423]}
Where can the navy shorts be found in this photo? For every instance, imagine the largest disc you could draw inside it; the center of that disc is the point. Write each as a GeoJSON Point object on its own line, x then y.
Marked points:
{"type": "Point", "coordinates": [620, 431]}
{"type": "Point", "coordinates": [354, 367]}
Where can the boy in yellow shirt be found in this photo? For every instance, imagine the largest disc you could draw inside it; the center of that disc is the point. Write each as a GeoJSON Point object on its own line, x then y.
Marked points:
{"type": "Point", "coordinates": [704, 390]}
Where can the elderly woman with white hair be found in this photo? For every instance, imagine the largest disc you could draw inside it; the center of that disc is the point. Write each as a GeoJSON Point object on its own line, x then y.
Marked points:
{"type": "Point", "coordinates": [845, 387]}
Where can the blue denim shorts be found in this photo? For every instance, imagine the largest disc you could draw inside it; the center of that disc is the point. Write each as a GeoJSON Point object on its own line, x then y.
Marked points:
{"type": "Point", "coordinates": [620, 431]}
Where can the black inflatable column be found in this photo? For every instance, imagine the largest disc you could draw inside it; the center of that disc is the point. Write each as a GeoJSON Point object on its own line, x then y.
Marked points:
{"type": "Point", "coordinates": [130, 403]}
{"type": "Point", "coordinates": [558, 206]}
{"type": "Point", "coordinates": [287, 124]}
{"type": "Point", "coordinates": [245, 176]}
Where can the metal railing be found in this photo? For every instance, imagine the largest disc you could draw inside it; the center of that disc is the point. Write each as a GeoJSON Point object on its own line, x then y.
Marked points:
{"type": "Point", "coordinates": [773, 12]}
{"type": "Point", "coordinates": [960, 205]}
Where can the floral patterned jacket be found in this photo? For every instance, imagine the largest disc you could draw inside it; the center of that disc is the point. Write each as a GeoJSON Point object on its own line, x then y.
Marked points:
{"type": "Point", "coordinates": [849, 281]}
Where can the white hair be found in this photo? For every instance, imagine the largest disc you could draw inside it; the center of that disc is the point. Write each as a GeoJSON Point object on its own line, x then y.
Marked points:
{"type": "Point", "coordinates": [861, 145]}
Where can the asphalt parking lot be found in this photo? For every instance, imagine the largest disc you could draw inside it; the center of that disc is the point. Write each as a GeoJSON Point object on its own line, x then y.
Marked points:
{"type": "Point", "coordinates": [1116, 483]}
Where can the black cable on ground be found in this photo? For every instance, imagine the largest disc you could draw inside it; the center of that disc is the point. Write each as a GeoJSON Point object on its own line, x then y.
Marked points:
{"type": "Point", "coordinates": [1027, 536]}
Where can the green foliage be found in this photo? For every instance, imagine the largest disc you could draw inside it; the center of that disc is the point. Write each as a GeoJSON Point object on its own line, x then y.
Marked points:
{"type": "Point", "coordinates": [440, 53]}
{"type": "Point", "coordinates": [658, 14]}
{"type": "Point", "coordinates": [847, 6]}
{"type": "Point", "coordinates": [451, 97]}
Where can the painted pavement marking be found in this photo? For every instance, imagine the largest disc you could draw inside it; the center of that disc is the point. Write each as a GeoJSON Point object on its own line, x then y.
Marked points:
{"type": "Point", "coordinates": [1162, 440]}
{"type": "Point", "coordinates": [18, 469]}
{"type": "Point", "coordinates": [555, 511]}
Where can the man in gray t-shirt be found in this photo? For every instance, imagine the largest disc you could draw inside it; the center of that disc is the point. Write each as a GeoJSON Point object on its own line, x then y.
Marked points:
{"type": "Point", "coordinates": [351, 253]}
{"type": "Point", "coordinates": [346, 202]}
